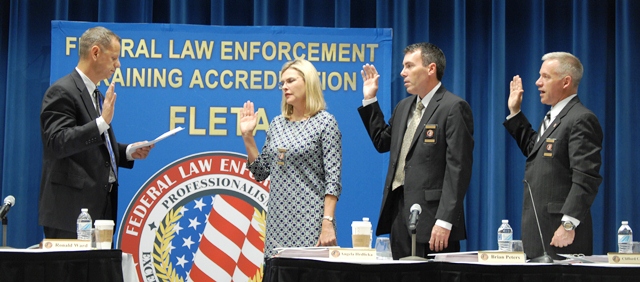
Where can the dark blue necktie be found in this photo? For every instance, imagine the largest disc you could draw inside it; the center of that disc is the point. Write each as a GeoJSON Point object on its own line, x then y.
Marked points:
{"type": "Point", "coordinates": [112, 156]}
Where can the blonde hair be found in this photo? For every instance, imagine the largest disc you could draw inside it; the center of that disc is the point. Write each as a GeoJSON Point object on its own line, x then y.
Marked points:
{"type": "Point", "coordinates": [314, 101]}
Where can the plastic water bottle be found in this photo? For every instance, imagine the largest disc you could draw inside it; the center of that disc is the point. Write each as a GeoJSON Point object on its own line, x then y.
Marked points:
{"type": "Point", "coordinates": [625, 238]}
{"type": "Point", "coordinates": [84, 225]}
{"type": "Point", "coordinates": [505, 236]}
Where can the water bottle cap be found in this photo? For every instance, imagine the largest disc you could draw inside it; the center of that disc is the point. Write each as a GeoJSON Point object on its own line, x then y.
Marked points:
{"type": "Point", "coordinates": [365, 219]}
{"type": "Point", "coordinates": [84, 210]}
{"type": "Point", "coordinates": [625, 222]}
{"type": "Point", "coordinates": [505, 221]}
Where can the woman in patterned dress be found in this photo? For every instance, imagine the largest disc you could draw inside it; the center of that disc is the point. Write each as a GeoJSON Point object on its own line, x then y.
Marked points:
{"type": "Point", "coordinates": [303, 156]}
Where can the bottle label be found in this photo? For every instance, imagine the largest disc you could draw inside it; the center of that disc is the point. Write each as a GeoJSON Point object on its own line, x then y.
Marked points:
{"type": "Point", "coordinates": [624, 238]}
{"type": "Point", "coordinates": [84, 226]}
{"type": "Point", "coordinates": [505, 236]}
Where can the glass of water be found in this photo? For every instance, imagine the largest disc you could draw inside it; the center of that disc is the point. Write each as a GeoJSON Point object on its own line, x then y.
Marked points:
{"type": "Point", "coordinates": [383, 249]}
{"type": "Point", "coordinates": [516, 246]}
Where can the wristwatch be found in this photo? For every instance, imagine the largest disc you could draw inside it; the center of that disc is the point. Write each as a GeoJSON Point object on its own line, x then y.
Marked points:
{"type": "Point", "coordinates": [568, 225]}
{"type": "Point", "coordinates": [329, 218]}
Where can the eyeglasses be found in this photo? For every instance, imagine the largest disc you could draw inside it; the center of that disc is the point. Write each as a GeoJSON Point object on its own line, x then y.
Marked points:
{"type": "Point", "coordinates": [287, 81]}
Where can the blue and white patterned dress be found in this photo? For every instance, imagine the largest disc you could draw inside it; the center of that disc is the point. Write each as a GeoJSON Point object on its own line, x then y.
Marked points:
{"type": "Point", "coordinates": [311, 168]}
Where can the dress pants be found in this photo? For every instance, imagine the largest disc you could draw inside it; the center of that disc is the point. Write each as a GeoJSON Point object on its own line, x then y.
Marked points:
{"type": "Point", "coordinates": [401, 238]}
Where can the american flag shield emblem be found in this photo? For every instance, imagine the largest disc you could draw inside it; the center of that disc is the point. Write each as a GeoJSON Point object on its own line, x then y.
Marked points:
{"type": "Point", "coordinates": [209, 227]}
{"type": "Point", "coordinates": [232, 242]}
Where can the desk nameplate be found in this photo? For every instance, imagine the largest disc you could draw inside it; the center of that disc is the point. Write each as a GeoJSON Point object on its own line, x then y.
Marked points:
{"type": "Point", "coordinates": [66, 244]}
{"type": "Point", "coordinates": [618, 258]}
{"type": "Point", "coordinates": [331, 253]}
{"type": "Point", "coordinates": [352, 254]}
{"type": "Point", "coordinates": [501, 257]}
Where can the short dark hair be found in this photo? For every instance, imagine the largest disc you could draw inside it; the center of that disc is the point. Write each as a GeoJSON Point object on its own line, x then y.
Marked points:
{"type": "Point", "coordinates": [98, 35]}
{"type": "Point", "coordinates": [430, 54]}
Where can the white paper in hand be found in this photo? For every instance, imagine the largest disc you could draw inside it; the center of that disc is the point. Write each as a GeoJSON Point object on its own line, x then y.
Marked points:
{"type": "Point", "coordinates": [160, 138]}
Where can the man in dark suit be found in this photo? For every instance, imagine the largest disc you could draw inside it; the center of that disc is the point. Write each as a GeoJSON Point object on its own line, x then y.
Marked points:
{"type": "Point", "coordinates": [563, 160]}
{"type": "Point", "coordinates": [81, 154]}
{"type": "Point", "coordinates": [430, 137]}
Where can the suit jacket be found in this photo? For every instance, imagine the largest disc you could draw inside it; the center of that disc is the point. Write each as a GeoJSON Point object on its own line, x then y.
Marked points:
{"type": "Point", "coordinates": [76, 163]}
{"type": "Point", "coordinates": [562, 170]}
{"type": "Point", "coordinates": [437, 168]}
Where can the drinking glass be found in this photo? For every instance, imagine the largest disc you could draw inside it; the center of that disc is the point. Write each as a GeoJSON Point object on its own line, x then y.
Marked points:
{"type": "Point", "coordinates": [516, 246]}
{"type": "Point", "coordinates": [383, 249]}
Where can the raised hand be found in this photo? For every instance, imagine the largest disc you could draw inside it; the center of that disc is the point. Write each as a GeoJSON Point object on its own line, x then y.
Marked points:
{"type": "Point", "coordinates": [370, 77]}
{"type": "Point", "coordinates": [109, 104]}
{"type": "Point", "coordinates": [248, 119]}
{"type": "Point", "coordinates": [515, 95]}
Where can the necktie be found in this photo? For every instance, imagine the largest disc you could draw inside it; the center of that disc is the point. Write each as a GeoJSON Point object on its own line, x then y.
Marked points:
{"type": "Point", "coordinates": [98, 99]}
{"type": "Point", "coordinates": [545, 124]}
{"type": "Point", "coordinates": [398, 179]}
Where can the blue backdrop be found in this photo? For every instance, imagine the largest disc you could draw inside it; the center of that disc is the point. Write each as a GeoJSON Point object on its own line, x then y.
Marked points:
{"type": "Point", "coordinates": [486, 43]}
{"type": "Point", "coordinates": [198, 77]}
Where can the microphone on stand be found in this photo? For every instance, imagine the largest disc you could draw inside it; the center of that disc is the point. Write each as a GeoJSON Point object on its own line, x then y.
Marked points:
{"type": "Point", "coordinates": [413, 222]}
{"type": "Point", "coordinates": [9, 201]}
{"type": "Point", "coordinates": [544, 258]}
{"type": "Point", "coordinates": [415, 210]}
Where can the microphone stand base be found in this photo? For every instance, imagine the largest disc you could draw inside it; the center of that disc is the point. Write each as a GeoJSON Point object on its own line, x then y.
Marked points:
{"type": "Point", "coordinates": [542, 259]}
{"type": "Point", "coordinates": [414, 258]}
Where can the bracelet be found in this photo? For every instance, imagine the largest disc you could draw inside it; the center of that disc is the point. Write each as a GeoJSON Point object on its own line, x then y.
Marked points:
{"type": "Point", "coordinates": [329, 218]}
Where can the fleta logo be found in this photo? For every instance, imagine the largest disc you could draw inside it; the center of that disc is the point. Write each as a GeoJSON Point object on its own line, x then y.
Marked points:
{"type": "Point", "coordinates": [200, 218]}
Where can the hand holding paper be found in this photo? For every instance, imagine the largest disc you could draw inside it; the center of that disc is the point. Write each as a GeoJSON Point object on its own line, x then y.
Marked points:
{"type": "Point", "coordinates": [142, 152]}
{"type": "Point", "coordinates": [150, 144]}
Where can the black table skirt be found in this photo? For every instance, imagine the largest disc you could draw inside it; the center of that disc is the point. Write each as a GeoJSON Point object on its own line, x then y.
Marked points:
{"type": "Point", "coordinates": [76, 266]}
{"type": "Point", "coordinates": [286, 270]}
